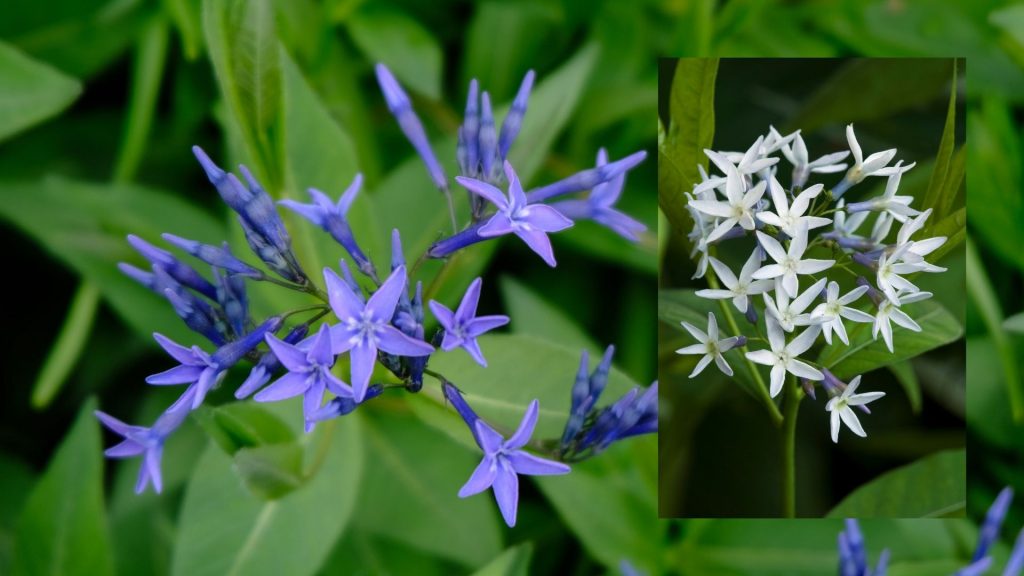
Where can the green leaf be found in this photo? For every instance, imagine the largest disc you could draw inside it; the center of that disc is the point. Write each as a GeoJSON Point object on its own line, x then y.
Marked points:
{"type": "Point", "coordinates": [63, 526]}
{"type": "Point", "coordinates": [608, 504]}
{"type": "Point", "coordinates": [520, 369]}
{"type": "Point", "coordinates": [937, 185]}
{"type": "Point", "coordinates": [872, 88]}
{"type": "Point", "coordinates": [387, 35]}
{"type": "Point", "coordinates": [864, 354]}
{"type": "Point", "coordinates": [905, 375]}
{"type": "Point", "coordinates": [360, 553]}
{"type": "Point", "coordinates": [691, 129]}
{"type": "Point", "coordinates": [244, 50]}
{"type": "Point", "coordinates": [536, 316]}
{"type": "Point", "coordinates": [242, 425]}
{"type": "Point", "coordinates": [513, 562]}
{"type": "Point", "coordinates": [931, 487]}
{"type": "Point", "coordinates": [30, 91]}
{"type": "Point", "coordinates": [84, 225]}
{"type": "Point", "coordinates": [272, 470]}
{"type": "Point", "coordinates": [16, 481]}
{"type": "Point", "coordinates": [1014, 323]}
{"type": "Point", "coordinates": [226, 530]}
{"type": "Point", "coordinates": [69, 345]}
{"type": "Point", "coordinates": [411, 489]}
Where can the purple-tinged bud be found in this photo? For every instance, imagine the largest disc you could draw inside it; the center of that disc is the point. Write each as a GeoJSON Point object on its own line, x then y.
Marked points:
{"type": "Point", "coordinates": [873, 293]}
{"type": "Point", "coordinates": [855, 541]}
{"type": "Point", "coordinates": [147, 279]}
{"type": "Point", "coordinates": [586, 179]}
{"type": "Point", "coordinates": [833, 384]}
{"type": "Point", "coordinates": [268, 364]}
{"type": "Point", "coordinates": [401, 108]}
{"type": "Point", "coordinates": [454, 396]}
{"type": "Point", "coordinates": [808, 387]}
{"type": "Point", "coordinates": [197, 315]}
{"type": "Point", "coordinates": [233, 300]}
{"type": "Point", "coordinates": [993, 523]}
{"type": "Point", "coordinates": [220, 257]}
{"type": "Point", "coordinates": [978, 568]}
{"type": "Point", "coordinates": [578, 406]}
{"type": "Point", "coordinates": [461, 154]}
{"type": "Point", "coordinates": [741, 341]}
{"type": "Point", "coordinates": [470, 131]}
{"type": "Point", "coordinates": [514, 119]}
{"type": "Point", "coordinates": [865, 261]}
{"type": "Point", "coordinates": [608, 422]}
{"type": "Point", "coordinates": [270, 255]}
{"type": "Point", "coordinates": [397, 256]}
{"type": "Point", "coordinates": [1016, 562]}
{"type": "Point", "coordinates": [599, 379]}
{"type": "Point", "coordinates": [346, 275]}
{"type": "Point", "coordinates": [262, 213]}
{"type": "Point", "coordinates": [456, 242]}
{"type": "Point", "coordinates": [177, 269]}
{"type": "Point", "coordinates": [858, 244]}
{"type": "Point", "coordinates": [339, 229]}
{"type": "Point", "coordinates": [488, 142]}
{"type": "Point", "coordinates": [751, 315]}
{"type": "Point", "coordinates": [839, 189]}
{"type": "Point", "coordinates": [229, 354]}
{"type": "Point", "coordinates": [230, 189]}
{"type": "Point", "coordinates": [341, 406]}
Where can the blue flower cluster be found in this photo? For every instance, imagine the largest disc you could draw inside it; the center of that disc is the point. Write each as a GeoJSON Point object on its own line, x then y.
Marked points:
{"type": "Point", "coordinates": [853, 556]}
{"type": "Point", "coordinates": [379, 320]}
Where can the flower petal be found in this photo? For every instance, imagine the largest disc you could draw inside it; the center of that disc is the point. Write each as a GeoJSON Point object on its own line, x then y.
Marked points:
{"type": "Point", "coordinates": [393, 341]}
{"type": "Point", "coordinates": [287, 386]}
{"type": "Point", "coordinates": [467, 307]}
{"type": "Point", "coordinates": [526, 426]}
{"type": "Point", "coordinates": [485, 190]}
{"type": "Point", "coordinates": [482, 324]}
{"type": "Point", "coordinates": [543, 217]}
{"type": "Point", "coordinates": [506, 491]}
{"type": "Point", "coordinates": [345, 303]}
{"type": "Point", "coordinates": [538, 242]}
{"type": "Point", "coordinates": [526, 463]}
{"type": "Point", "coordinates": [288, 355]}
{"type": "Point", "coordinates": [498, 225]}
{"type": "Point", "coordinates": [381, 305]}
{"type": "Point", "coordinates": [481, 478]}
{"type": "Point", "coordinates": [363, 356]}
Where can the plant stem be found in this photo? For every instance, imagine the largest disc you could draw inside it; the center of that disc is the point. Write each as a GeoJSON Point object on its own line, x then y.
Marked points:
{"type": "Point", "coordinates": [773, 410]}
{"type": "Point", "coordinates": [791, 406]}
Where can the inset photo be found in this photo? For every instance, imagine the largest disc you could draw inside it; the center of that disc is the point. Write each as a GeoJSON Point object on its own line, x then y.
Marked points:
{"type": "Point", "coordinates": [812, 292]}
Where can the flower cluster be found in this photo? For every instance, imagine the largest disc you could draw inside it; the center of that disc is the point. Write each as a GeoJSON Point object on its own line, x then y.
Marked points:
{"type": "Point", "coordinates": [789, 226]}
{"type": "Point", "coordinates": [377, 321]}
{"type": "Point", "coordinates": [853, 555]}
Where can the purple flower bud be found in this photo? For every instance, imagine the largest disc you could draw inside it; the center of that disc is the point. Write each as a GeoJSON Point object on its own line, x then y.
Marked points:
{"type": "Point", "coordinates": [865, 260]}
{"type": "Point", "coordinates": [586, 179]}
{"type": "Point", "coordinates": [808, 387]}
{"type": "Point", "coordinates": [268, 364]}
{"type": "Point", "coordinates": [514, 119]}
{"type": "Point", "coordinates": [873, 293]}
{"type": "Point", "coordinates": [454, 396]}
{"type": "Point", "coordinates": [341, 406]}
{"type": "Point", "coordinates": [1016, 562]}
{"type": "Point", "coordinates": [993, 522]}
{"type": "Point", "coordinates": [229, 354]}
{"type": "Point", "coordinates": [488, 142]}
{"type": "Point", "coordinates": [839, 189]}
{"type": "Point", "coordinates": [751, 315]}
{"type": "Point", "coordinates": [401, 109]}
{"type": "Point", "coordinates": [220, 257]}
{"type": "Point", "coordinates": [469, 133]}
{"type": "Point", "coordinates": [233, 300]}
{"type": "Point", "coordinates": [456, 242]}
{"type": "Point", "coordinates": [147, 279]}
{"type": "Point", "coordinates": [350, 280]}
{"type": "Point", "coordinates": [195, 312]}
{"type": "Point", "coordinates": [177, 269]}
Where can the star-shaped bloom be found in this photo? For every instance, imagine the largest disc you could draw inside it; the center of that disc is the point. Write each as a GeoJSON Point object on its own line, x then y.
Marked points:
{"type": "Point", "coordinates": [710, 346]}
{"type": "Point", "coordinates": [600, 205]}
{"type": "Point", "coordinates": [201, 370]}
{"type": "Point", "coordinates": [739, 289]}
{"type": "Point", "coordinates": [783, 357]}
{"type": "Point", "coordinates": [738, 207]}
{"type": "Point", "coordinates": [790, 314]}
{"type": "Point", "coordinates": [149, 442]}
{"type": "Point", "coordinates": [789, 263]}
{"type": "Point", "coordinates": [462, 327]}
{"type": "Point", "coordinates": [887, 310]}
{"type": "Point", "coordinates": [531, 222]}
{"type": "Point", "coordinates": [364, 328]}
{"type": "Point", "coordinates": [802, 167]}
{"type": "Point", "coordinates": [750, 162]}
{"type": "Point", "coordinates": [504, 460]}
{"type": "Point", "coordinates": [918, 249]}
{"type": "Point", "coordinates": [873, 165]}
{"type": "Point", "coordinates": [888, 276]}
{"type": "Point", "coordinates": [840, 405]}
{"type": "Point", "coordinates": [830, 314]}
{"type": "Point", "coordinates": [788, 218]}
{"type": "Point", "coordinates": [309, 373]}
{"type": "Point", "coordinates": [896, 206]}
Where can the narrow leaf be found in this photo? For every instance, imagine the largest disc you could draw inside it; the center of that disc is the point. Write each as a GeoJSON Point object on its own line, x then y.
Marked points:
{"type": "Point", "coordinates": [932, 487]}
{"type": "Point", "coordinates": [30, 91]}
{"type": "Point", "coordinates": [940, 174]}
{"type": "Point", "coordinates": [69, 345]}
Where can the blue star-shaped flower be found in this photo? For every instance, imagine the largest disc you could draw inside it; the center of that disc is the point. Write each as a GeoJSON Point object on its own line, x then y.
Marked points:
{"type": "Point", "coordinates": [309, 373]}
{"type": "Point", "coordinates": [365, 328]}
{"type": "Point", "coordinates": [148, 442]}
{"type": "Point", "coordinates": [515, 215]}
{"type": "Point", "coordinates": [504, 461]}
{"type": "Point", "coordinates": [600, 205]}
{"type": "Point", "coordinates": [462, 327]}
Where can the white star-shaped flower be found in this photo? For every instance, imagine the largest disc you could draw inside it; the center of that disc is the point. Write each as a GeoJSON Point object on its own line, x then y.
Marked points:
{"type": "Point", "coordinates": [710, 346]}
{"type": "Point", "coordinates": [918, 249]}
{"type": "Point", "coordinates": [790, 314]}
{"type": "Point", "coordinates": [789, 263]}
{"type": "Point", "coordinates": [738, 208]}
{"type": "Point", "coordinates": [888, 276]}
{"type": "Point", "coordinates": [737, 288]}
{"type": "Point", "coordinates": [802, 168]}
{"type": "Point", "coordinates": [789, 218]}
{"type": "Point", "coordinates": [783, 357]}
{"type": "Point", "coordinates": [839, 406]}
{"type": "Point", "coordinates": [830, 314]}
{"type": "Point", "coordinates": [887, 311]}
{"type": "Point", "coordinates": [874, 165]}
{"type": "Point", "coordinates": [750, 162]}
{"type": "Point", "coordinates": [897, 206]}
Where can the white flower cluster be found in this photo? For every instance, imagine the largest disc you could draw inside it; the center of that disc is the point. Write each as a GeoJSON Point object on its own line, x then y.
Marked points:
{"type": "Point", "coordinates": [747, 200]}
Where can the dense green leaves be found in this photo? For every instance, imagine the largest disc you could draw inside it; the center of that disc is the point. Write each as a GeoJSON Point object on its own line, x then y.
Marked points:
{"type": "Point", "coordinates": [691, 129]}
{"type": "Point", "coordinates": [226, 530]}
{"type": "Point", "coordinates": [931, 487]}
{"type": "Point", "coordinates": [512, 562]}
{"type": "Point", "coordinates": [865, 354]}
{"type": "Point", "coordinates": [84, 226]}
{"type": "Point", "coordinates": [30, 91]}
{"type": "Point", "coordinates": [63, 525]}
{"type": "Point", "coordinates": [388, 36]}
{"type": "Point", "coordinates": [941, 193]}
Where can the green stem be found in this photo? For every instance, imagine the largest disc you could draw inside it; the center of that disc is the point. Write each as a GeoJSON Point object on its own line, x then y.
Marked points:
{"type": "Point", "coordinates": [791, 406]}
{"type": "Point", "coordinates": [980, 291]}
{"type": "Point", "coordinates": [762, 387]}
{"type": "Point", "coordinates": [69, 344]}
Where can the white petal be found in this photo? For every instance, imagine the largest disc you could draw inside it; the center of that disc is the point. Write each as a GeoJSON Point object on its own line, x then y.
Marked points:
{"type": "Point", "coordinates": [851, 421]}
{"type": "Point", "coordinates": [772, 247]}
{"type": "Point", "coordinates": [776, 338]}
{"type": "Point", "coordinates": [714, 294]}
{"type": "Point", "coordinates": [701, 365]}
{"type": "Point", "coordinates": [851, 139]}
{"type": "Point", "coordinates": [763, 357]}
{"type": "Point", "coordinates": [723, 272]}
{"type": "Point", "coordinates": [813, 266]}
{"type": "Point", "coordinates": [864, 398]}
{"type": "Point", "coordinates": [804, 341]}
{"type": "Point", "coordinates": [835, 426]}
{"type": "Point", "coordinates": [778, 378]}
{"type": "Point", "coordinates": [723, 365]}
{"type": "Point", "coordinates": [695, 332]}
{"type": "Point", "coordinates": [693, 349]}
